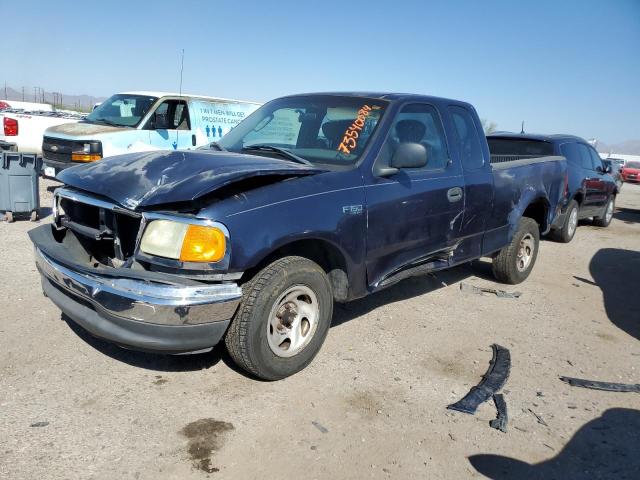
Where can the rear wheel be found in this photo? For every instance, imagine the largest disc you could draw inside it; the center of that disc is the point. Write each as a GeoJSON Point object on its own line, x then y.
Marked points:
{"type": "Point", "coordinates": [282, 320]}
{"type": "Point", "coordinates": [565, 233]}
{"type": "Point", "coordinates": [607, 216]}
{"type": "Point", "coordinates": [515, 261]}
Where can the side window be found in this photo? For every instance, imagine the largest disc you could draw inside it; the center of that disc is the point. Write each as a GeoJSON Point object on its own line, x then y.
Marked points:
{"type": "Point", "coordinates": [170, 115]}
{"type": "Point", "coordinates": [467, 138]}
{"type": "Point", "coordinates": [181, 117]}
{"type": "Point", "coordinates": [572, 153]}
{"type": "Point", "coordinates": [585, 157]}
{"type": "Point", "coordinates": [595, 159]}
{"type": "Point", "coordinates": [418, 123]}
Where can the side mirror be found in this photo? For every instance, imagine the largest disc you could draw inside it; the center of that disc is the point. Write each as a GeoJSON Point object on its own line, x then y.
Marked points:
{"type": "Point", "coordinates": [409, 155]}
{"type": "Point", "coordinates": [608, 169]}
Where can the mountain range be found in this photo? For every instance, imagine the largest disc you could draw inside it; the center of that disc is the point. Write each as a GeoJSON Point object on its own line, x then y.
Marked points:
{"type": "Point", "coordinates": [630, 147]}
{"type": "Point", "coordinates": [72, 102]}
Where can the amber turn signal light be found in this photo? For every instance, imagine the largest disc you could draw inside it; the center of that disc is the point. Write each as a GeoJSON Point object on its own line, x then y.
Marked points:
{"type": "Point", "coordinates": [85, 157]}
{"type": "Point", "coordinates": [203, 244]}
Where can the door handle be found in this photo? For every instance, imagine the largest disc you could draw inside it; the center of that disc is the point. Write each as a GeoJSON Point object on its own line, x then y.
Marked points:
{"type": "Point", "coordinates": [454, 194]}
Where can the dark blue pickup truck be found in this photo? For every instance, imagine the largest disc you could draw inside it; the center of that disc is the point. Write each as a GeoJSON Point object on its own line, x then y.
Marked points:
{"type": "Point", "coordinates": [312, 199]}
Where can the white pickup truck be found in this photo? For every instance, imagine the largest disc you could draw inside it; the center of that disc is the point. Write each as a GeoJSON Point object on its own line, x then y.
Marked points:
{"type": "Point", "coordinates": [22, 130]}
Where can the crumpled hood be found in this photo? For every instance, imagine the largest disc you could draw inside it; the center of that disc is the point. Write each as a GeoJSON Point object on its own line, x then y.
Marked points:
{"type": "Point", "coordinates": [81, 129]}
{"type": "Point", "coordinates": [144, 179]}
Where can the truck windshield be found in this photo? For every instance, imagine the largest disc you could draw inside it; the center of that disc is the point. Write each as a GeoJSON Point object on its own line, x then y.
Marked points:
{"type": "Point", "coordinates": [327, 129]}
{"type": "Point", "coordinates": [122, 110]}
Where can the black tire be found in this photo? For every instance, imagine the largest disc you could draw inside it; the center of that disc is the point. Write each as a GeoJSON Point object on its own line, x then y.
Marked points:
{"type": "Point", "coordinates": [506, 264]}
{"type": "Point", "coordinates": [246, 338]}
{"type": "Point", "coordinates": [566, 233]}
{"type": "Point", "coordinates": [8, 216]}
{"type": "Point", "coordinates": [605, 219]}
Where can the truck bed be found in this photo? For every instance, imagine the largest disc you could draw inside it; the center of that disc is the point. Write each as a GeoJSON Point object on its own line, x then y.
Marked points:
{"type": "Point", "coordinates": [519, 184]}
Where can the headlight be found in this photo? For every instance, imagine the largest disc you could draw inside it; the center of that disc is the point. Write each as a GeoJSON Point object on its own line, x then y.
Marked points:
{"type": "Point", "coordinates": [87, 152]}
{"type": "Point", "coordinates": [183, 241]}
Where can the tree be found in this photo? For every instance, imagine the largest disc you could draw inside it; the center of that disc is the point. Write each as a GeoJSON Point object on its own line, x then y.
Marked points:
{"type": "Point", "coordinates": [488, 126]}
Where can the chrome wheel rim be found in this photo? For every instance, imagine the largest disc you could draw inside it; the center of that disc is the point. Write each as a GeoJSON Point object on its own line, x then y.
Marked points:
{"type": "Point", "coordinates": [609, 214]}
{"type": "Point", "coordinates": [293, 321]}
{"type": "Point", "coordinates": [525, 252]}
{"type": "Point", "coordinates": [573, 222]}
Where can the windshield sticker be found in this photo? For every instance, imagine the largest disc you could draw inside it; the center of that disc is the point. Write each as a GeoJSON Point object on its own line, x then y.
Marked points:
{"type": "Point", "coordinates": [350, 139]}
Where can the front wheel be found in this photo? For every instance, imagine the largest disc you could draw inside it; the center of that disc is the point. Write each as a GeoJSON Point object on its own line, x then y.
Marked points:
{"type": "Point", "coordinates": [283, 318]}
{"type": "Point", "coordinates": [515, 261]}
{"type": "Point", "coordinates": [607, 216]}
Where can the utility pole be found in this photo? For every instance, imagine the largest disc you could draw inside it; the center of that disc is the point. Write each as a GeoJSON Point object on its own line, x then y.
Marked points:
{"type": "Point", "coordinates": [5, 89]}
{"type": "Point", "coordinates": [23, 94]}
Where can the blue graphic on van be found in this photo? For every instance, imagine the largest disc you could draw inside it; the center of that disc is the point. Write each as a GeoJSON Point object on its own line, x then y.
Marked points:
{"type": "Point", "coordinates": [208, 130]}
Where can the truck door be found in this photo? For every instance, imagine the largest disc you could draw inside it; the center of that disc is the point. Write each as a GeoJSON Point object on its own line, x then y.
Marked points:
{"type": "Point", "coordinates": [478, 181]}
{"type": "Point", "coordinates": [170, 126]}
{"type": "Point", "coordinates": [413, 214]}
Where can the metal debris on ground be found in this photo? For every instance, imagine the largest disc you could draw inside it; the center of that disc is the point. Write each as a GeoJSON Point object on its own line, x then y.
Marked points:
{"type": "Point", "coordinates": [606, 386]}
{"type": "Point", "coordinates": [500, 422]}
{"type": "Point", "coordinates": [492, 381]}
{"type": "Point", "coordinates": [468, 288]}
{"type": "Point", "coordinates": [320, 427]}
{"type": "Point", "coordinates": [538, 418]}
{"type": "Point", "coordinates": [39, 424]}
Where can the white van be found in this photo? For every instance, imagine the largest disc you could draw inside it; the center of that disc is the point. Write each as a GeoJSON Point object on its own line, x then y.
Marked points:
{"type": "Point", "coordinates": [141, 121]}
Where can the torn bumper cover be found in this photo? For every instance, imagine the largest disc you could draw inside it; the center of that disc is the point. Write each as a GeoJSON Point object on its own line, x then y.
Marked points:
{"type": "Point", "coordinates": [140, 314]}
{"type": "Point", "coordinates": [492, 381]}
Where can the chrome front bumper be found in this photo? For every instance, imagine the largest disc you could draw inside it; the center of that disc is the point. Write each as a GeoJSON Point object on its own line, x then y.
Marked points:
{"type": "Point", "coordinates": [141, 314]}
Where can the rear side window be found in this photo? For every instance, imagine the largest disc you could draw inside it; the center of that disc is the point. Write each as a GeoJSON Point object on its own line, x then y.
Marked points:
{"type": "Point", "coordinates": [572, 153]}
{"type": "Point", "coordinates": [467, 138]}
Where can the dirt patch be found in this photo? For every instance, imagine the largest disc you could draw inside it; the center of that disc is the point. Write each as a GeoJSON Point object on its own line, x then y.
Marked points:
{"type": "Point", "coordinates": [205, 437]}
{"type": "Point", "coordinates": [606, 336]}
{"type": "Point", "coordinates": [365, 403]}
{"type": "Point", "coordinates": [452, 367]}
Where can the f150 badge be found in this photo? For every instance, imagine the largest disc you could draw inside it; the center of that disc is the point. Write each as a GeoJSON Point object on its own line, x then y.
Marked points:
{"type": "Point", "coordinates": [352, 209]}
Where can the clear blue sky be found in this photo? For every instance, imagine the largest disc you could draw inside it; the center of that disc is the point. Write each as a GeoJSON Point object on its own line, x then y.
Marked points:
{"type": "Point", "coordinates": [562, 66]}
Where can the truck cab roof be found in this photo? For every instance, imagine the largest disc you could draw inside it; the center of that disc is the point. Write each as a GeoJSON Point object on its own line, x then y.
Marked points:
{"type": "Point", "coordinates": [150, 93]}
{"type": "Point", "coordinates": [391, 96]}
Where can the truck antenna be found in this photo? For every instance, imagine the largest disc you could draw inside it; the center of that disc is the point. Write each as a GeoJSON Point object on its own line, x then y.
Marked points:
{"type": "Point", "coordinates": [181, 70]}
{"type": "Point", "coordinates": [522, 128]}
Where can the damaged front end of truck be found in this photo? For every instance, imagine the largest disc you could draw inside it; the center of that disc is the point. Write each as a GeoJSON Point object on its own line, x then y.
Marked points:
{"type": "Point", "coordinates": [129, 257]}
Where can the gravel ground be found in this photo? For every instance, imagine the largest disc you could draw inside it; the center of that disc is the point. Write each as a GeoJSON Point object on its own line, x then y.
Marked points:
{"type": "Point", "coordinates": [372, 404]}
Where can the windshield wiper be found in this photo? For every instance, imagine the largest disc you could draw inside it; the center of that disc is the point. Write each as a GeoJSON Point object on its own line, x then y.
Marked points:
{"type": "Point", "coordinates": [105, 121]}
{"type": "Point", "coordinates": [217, 146]}
{"type": "Point", "coordinates": [282, 151]}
